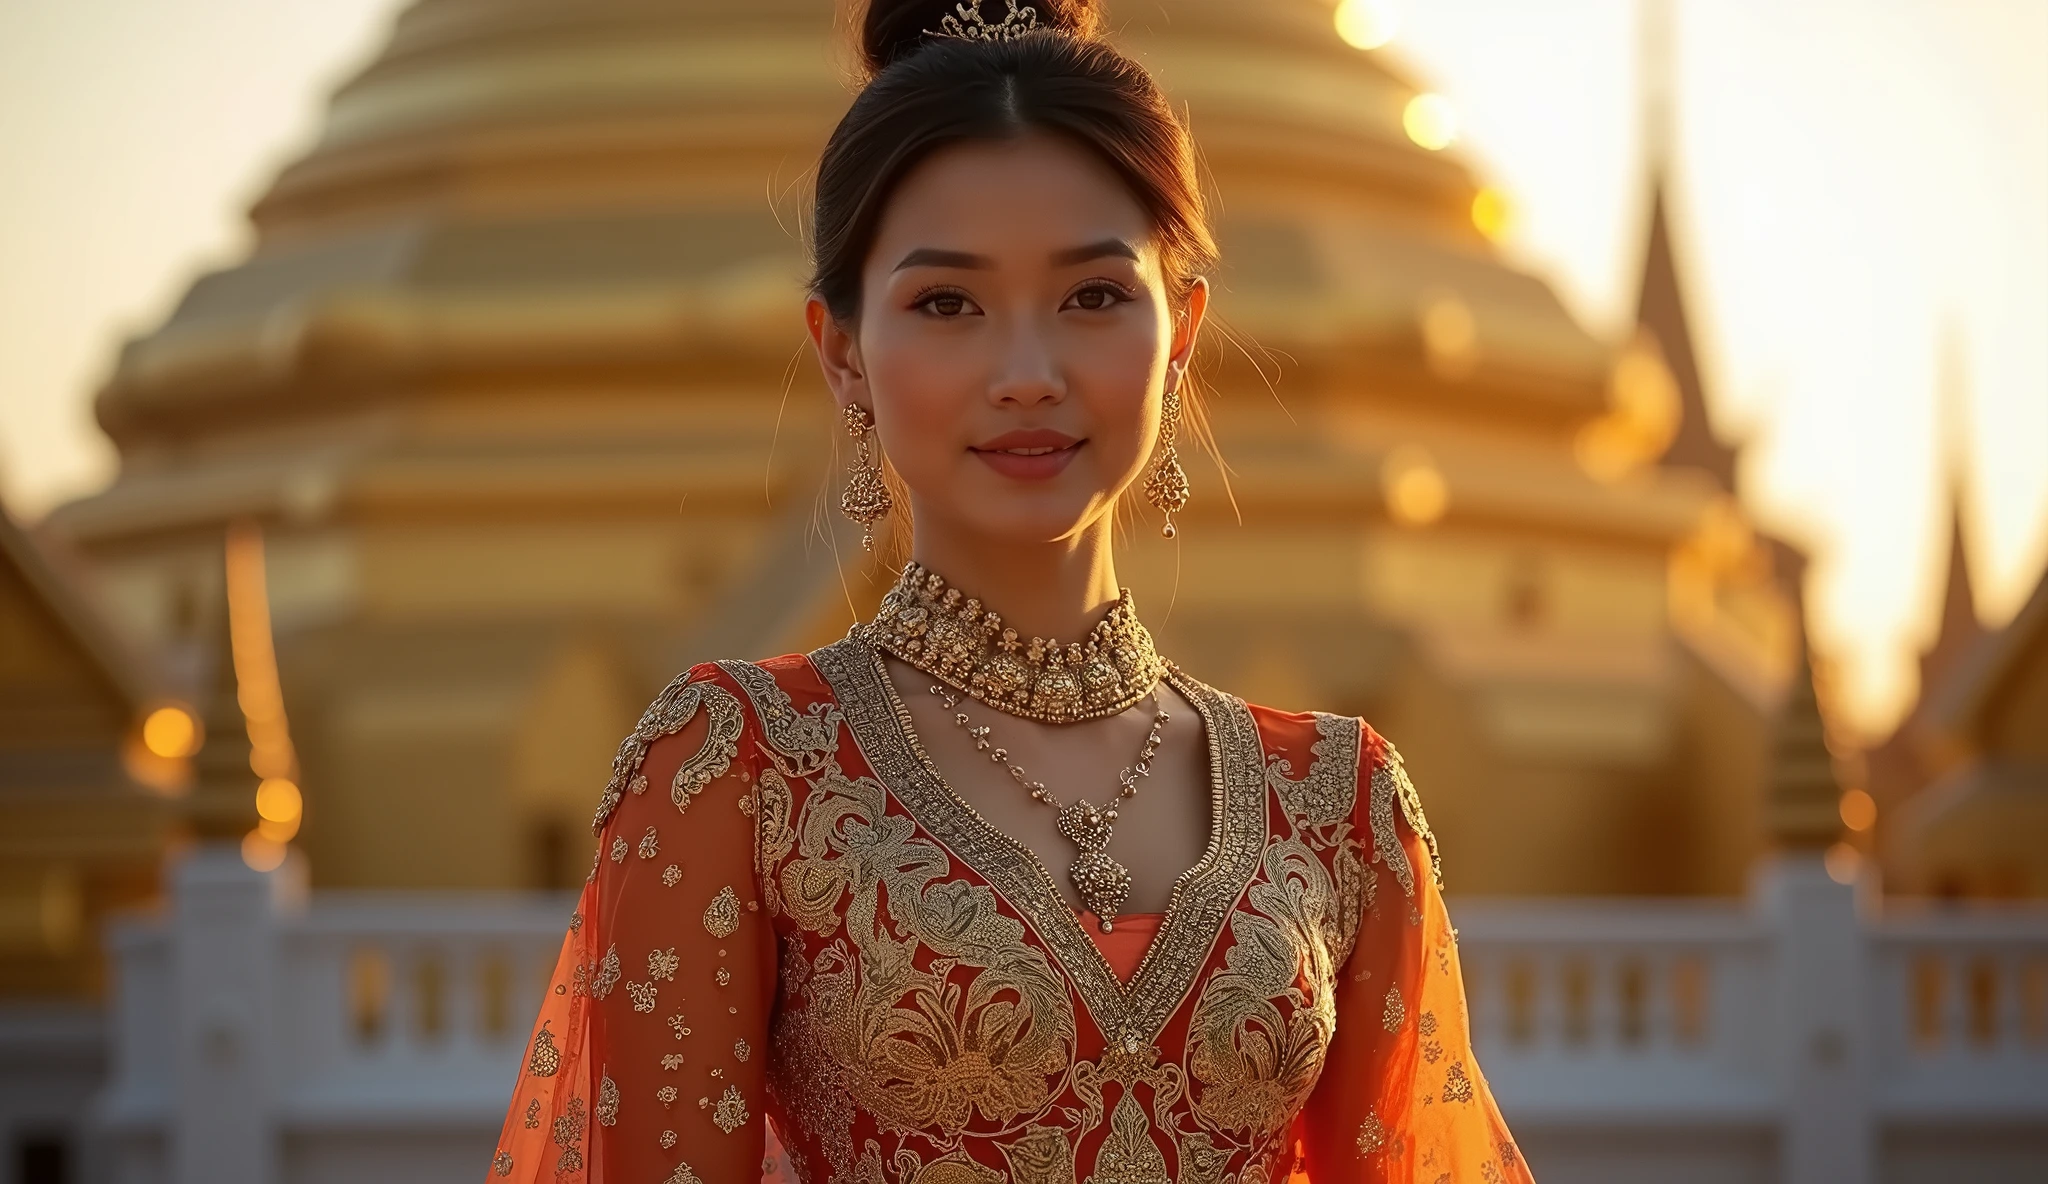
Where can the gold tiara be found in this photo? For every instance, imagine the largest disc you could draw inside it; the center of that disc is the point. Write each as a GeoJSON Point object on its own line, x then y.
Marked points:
{"type": "Point", "coordinates": [969, 25]}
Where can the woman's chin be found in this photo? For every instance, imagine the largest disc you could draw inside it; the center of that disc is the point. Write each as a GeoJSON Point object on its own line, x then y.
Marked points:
{"type": "Point", "coordinates": [1025, 521]}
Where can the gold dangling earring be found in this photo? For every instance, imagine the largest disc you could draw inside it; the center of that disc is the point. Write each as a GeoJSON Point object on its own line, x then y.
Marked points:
{"type": "Point", "coordinates": [866, 498]}
{"type": "Point", "coordinates": [1166, 487]}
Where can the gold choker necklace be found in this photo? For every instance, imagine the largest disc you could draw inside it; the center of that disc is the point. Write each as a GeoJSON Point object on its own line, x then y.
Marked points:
{"type": "Point", "coordinates": [955, 640]}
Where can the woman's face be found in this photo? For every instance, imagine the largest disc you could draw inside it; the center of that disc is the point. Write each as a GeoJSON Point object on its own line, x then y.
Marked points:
{"type": "Point", "coordinates": [1015, 339]}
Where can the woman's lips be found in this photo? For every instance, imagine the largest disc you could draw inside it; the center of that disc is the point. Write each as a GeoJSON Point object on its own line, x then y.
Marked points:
{"type": "Point", "coordinates": [1031, 454]}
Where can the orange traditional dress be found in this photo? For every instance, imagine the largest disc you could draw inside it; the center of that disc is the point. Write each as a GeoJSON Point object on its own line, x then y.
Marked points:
{"type": "Point", "coordinates": [794, 922]}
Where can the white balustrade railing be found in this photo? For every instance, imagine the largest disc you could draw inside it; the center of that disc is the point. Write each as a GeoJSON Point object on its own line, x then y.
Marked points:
{"type": "Point", "coordinates": [1596, 1010]}
{"type": "Point", "coordinates": [368, 1036]}
{"type": "Point", "coordinates": [1964, 1002]}
{"type": "Point", "coordinates": [399, 1013]}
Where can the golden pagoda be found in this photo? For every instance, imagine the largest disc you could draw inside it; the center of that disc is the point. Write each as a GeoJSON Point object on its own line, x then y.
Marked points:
{"type": "Point", "coordinates": [515, 382]}
{"type": "Point", "coordinates": [87, 808]}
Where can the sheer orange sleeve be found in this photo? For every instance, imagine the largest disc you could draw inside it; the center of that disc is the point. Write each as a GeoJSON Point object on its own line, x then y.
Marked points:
{"type": "Point", "coordinates": [1401, 1099]}
{"type": "Point", "coordinates": [647, 1060]}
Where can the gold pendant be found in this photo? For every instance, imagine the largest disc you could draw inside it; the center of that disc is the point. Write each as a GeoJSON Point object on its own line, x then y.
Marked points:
{"type": "Point", "coordinates": [1104, 884]}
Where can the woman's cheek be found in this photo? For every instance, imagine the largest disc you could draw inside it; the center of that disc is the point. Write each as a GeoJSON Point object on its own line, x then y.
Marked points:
{"type": "Point", "coordinates": [918, 398]}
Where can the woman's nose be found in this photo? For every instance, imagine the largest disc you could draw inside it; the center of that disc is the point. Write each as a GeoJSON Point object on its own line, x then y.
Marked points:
{"type": "Point", "coordinates": [1028, 373]}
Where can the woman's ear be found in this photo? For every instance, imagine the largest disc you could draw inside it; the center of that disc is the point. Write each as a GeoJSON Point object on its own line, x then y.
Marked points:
{"type": "Point", "coordinates": [1187, 325]}
{"type": "Point", "coordinates": [838, 354]}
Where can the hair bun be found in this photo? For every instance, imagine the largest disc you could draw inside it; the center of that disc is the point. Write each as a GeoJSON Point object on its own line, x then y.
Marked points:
{"type": "Point", "coordinates": [891, 29]}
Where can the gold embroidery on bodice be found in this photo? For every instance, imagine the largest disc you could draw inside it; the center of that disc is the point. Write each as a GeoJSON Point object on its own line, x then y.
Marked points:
{"type": "Point", "coordinates": [914, 997]}
{"type": "Point", "coordinates": [1201, 897]}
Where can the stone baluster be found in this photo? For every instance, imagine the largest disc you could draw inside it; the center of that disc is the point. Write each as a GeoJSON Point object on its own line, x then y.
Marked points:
{"type": "Point", "coordinates": [225, 981]}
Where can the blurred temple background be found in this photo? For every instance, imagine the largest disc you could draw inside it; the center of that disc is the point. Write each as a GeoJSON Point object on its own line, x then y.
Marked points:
{"type": "Point", "coordinates": [504, 420]}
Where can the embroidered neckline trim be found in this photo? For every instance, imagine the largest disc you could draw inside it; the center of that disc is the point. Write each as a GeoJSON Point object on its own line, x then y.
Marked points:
{"type": "Point", "coordinates": [1203, 896]}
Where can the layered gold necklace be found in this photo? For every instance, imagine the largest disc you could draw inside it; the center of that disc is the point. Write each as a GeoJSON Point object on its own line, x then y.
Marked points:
{"type": "Point", "coordinates": [955, 639]}
{"type": "Point", "coordinates": [959, 641]}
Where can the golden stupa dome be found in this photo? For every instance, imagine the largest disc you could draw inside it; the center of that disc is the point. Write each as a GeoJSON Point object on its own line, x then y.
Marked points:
{"type": "Point", "coordinates": [514, 380]}
{"type": "Point", "coordinates": [512, 178]}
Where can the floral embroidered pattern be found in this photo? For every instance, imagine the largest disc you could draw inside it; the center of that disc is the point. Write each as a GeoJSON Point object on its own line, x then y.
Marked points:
{"type": "Point", "coordinates": [569, 1137]}
{"type": "Point", "coordinates": [546, 1060]}
{"type": "Point", "coordinates": [731, 1112]}
{"type": "Point", "coordinates": [607, 1108]}
{"type": "Point", "coordinates": [650, 844]}
{"type": "Point", "coordinates": [799, 743]}
{"type": "Point", "coordinates": [671, 711]}
{"type": "Point", "coordinates": [1325, 794]}
{"type": "Point", "coordinates": [1130, 1156]}
{"type": "Point", "coordinates": [1371, 1135]}
{"type": "Point", "coordinates": [1394, 1013]}
{"type": "Point", "coordinates": [1255, 1043]}
{"type": "Point", "coordinates": [502, 1163]}
{"type": "Point", "coordinates": [533, 1114]}
{"type": "Point", "coordinates": [742, 1051]}
{"type": "Point", "coordinates": [608, 973]}
{"type": "Point", "coordinates": [643, 996]}
{"type": "Point", "coordinates": [662, 964]}
{"type": "Point", "coordinates": [921, 1048]}
{"type": "Point", "coordinates": [671, 876]}
{"type": "Point", "coordinates": [682, 1175]}
{"type": "Point", "coordinates": [1457, 1086]}
{"type": "Point", "coordinates": [722, 915]}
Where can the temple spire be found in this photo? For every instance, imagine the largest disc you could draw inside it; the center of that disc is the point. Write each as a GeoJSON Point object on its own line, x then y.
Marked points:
{"type": "Point", "coordinates": [1660, 304]}
{"type": "Point", "coordinates": [1803, 798]}
{"type": "Point", "coordinates": [1960, 627]}
{"type": "Point", "coordinates": [222, 801]}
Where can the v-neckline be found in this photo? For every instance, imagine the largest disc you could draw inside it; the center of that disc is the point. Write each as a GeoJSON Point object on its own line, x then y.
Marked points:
{"type": "Point", "coordinates": [1203, 895]}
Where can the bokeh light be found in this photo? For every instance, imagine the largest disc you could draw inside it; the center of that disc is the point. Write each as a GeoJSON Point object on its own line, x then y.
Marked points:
{"type": "Point", "coordinates": [261, 852]}
{"type": "Point", "coordinates": [171, 732]}
{"type": "Point", "coordinates": [1450, 336]}
{"type": "Point", "coordinates": [1644, 408]}
{"type": "Point", "coordinates": [1843, 862]}
{"type": "Point", "coordinates": [1491, 213]}
{"type": "Point", "coordinates": [1367, 24]}
{"type": "Point", "coordinates": [1415, 489]}
{"type": "Point", "coordinates": [278, 800]}
{"type": "Point", "coordinates": [278, 832]}
{"type": "Point", "coordinates": [1431, 121]}
{"type": "Point", "coordinates": [1859, 810]}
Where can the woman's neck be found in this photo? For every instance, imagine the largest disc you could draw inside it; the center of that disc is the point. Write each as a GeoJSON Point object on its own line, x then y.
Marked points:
{"type": "Point", "coordinates": [1054, 590]}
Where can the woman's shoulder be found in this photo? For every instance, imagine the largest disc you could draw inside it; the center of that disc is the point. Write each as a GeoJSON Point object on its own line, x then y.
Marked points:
{"type": "Point", "coordinates": [1321, 734]}
{"type": "Point", "coordinates": [783, 703]}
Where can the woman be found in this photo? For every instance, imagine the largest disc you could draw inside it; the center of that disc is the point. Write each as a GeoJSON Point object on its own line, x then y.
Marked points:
{"type": "Point", "coordinates": [950, 901]}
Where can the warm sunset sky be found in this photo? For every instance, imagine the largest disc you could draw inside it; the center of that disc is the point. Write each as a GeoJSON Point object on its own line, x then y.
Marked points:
{"type": "Point", "coordinates": [1858, 182]}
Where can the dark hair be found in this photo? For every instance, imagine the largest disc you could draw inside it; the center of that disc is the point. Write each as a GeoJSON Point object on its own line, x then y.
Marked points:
{"type": "Point", "coordinates": [926, 91]}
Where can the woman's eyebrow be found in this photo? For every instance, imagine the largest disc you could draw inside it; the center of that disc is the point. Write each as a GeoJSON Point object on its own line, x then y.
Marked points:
{"type": "Point", "coordinates": [938, 257]}
{"type": "Point", "coordinates": [1107, 248]}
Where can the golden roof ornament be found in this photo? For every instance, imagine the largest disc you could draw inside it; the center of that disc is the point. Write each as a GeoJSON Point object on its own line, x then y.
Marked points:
{"type": "Point", "coordinates": [957, 640]}
{"type": "Point", "coordinates": [1802, 808]}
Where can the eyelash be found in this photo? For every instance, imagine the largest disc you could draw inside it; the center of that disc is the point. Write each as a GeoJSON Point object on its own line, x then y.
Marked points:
{"type": "Point", "coordinates": [924, 300]}
{"type": "Point", "coordinates": [1118, 294]}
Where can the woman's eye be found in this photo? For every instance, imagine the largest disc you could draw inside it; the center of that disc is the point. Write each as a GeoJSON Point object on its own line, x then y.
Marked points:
{"type": "Point", "coordinates": [1096, 297]}
{"type": "Point", "coordinates": [945, 305]}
